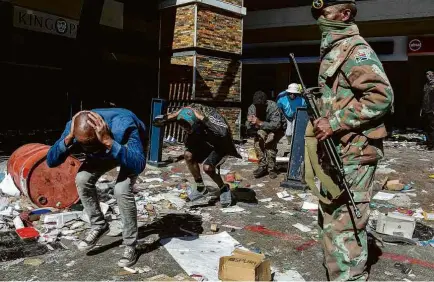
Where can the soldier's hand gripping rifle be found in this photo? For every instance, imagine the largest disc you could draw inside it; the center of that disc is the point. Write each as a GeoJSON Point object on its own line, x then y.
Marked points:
{"type": "Point", "coordinates": [329, 145]}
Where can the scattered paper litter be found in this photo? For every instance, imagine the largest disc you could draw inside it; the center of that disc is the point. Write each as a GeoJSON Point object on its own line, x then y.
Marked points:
{"type": "Point", "coordinates": [7, 186]}
{"type": "Point", "coordinates": [383, 169]}
{"type": "Point", "coordinates": [133, 271]}
{"type": "Point", "coordinates": [383, 196]}
{"type": "Point", "coordinates": [232, 227]}
{"type": "Point", "coordinates": [309, 206]}
{"type": "Point", "coordinates": [288, 275]}
{"type": "Point", "coordinates": [233, 209]}
{"type": "Point", "coordinates": [265, 200]}
{"type": "Point", "coordinates": [174, 199]}
{"type": "Point", "coordinates": [153, 180]}
{"type": "Point", "coordinates": [61, 218]}
{"type": "Point", "coordinates": [302, 227]}
{"type": "Point", "coordinates": [201, 255]}
{"type": "Point", "coordinates": [151, 172]}
{"type": "Point", "coordinates": [285, 196]}
{"type": "Point", "coordinates": [260, 185]}
{"type": "Point", "coordinates": [287, 212]}
{"type": "Point", "coordinates": [303, 195]}
{"type": "Point", "coordinates": [224, 171]}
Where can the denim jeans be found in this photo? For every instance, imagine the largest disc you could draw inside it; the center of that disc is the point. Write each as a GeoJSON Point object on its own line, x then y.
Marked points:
{"type": "Point", "coordinates": [89, 173]}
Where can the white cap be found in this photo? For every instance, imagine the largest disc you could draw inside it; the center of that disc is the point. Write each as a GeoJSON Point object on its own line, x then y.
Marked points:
{"type": "Point", "coordinates": [294, 88]}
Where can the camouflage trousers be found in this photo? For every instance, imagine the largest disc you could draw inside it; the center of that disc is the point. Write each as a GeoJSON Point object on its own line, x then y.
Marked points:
{"type": "Point", "coordinates": [344, 258]}
{"type": "Point", "coordinates": [266, 148]}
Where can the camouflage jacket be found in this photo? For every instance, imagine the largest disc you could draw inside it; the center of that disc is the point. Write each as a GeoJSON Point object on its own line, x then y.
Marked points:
{"type": "Point", "coordinates": [274, 118]}
{"type": "Point", "coordinates": [356, 94]}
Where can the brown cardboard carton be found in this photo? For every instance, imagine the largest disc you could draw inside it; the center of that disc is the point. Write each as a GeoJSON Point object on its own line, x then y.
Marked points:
{"type": "Point", "coordinates": [244, 266]}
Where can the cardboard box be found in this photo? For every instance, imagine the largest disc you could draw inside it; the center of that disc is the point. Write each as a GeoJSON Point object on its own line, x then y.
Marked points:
{"type": "Point", "coordinates": [244, 266]}
{"type": "Point", "coordinates": [396, 225]}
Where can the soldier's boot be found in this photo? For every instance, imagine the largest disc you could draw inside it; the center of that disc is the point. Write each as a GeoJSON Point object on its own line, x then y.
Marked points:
{"type": "Point", "coordinates": [260, 172]}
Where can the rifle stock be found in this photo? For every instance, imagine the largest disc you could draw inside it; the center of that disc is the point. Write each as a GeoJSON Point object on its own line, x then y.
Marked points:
{"type": "Point", "coordinates": [328, 144]}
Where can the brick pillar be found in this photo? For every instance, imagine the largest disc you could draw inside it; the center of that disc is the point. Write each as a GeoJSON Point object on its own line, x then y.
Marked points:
{"type": "Point", "coordinates": [200, 51]}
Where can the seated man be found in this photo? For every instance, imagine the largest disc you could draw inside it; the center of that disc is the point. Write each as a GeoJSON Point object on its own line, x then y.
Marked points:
{"type": "Point", "coordinates": [109, 138]}
{"type": "Point", "coordinates": [265, 119]}
{"type": "Point", "coordinates": [288, 101]}
{"type": "Point", "coordinates": [208, 141]}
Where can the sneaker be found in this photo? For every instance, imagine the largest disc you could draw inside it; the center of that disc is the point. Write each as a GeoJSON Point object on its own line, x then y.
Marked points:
{"type": "Point", "coordinates": [261, 172]}
{"type": "Point", "coordinates": [129, 257]}
{"type": "Point", "coordinates": [193, 194]}
{"type": "Point", "coordinates": [272, 174]}
{"type": "Point", "coordinates": [225, 196]}
{"type": "Point", "coordinates": [92, 238]}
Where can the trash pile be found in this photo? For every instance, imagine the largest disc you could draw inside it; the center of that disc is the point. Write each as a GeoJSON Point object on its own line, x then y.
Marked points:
{"type": "Point", "coordinates": [157, 193]}
{"type": "Point", "coordinates": [397, 217]}
{"type": "Point", "coordinates": [410, 138]}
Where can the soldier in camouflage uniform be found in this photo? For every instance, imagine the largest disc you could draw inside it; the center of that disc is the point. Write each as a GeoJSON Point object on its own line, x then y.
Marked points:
{"type": "Point", "coordinates": [355, 96]}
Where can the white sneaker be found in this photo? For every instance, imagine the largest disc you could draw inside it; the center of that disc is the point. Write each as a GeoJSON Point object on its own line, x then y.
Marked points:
{"type": "Point", "coordinates": [92, 238]}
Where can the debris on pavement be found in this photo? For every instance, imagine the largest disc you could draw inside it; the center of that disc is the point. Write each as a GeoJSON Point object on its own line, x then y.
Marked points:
{"type": "Point", "coordinates": [285, 196]}
{"type": "Point", "coordinates": [309, 206]}
{"type": "Point", "coordinates": [383, 196]}
{"type": "Point", "coordinates": [214, 227]}
{"type": "Point", "coordinates": [210, 247]}
{"type": "Point", "coordinates": [302, 228]}
{"type": "Point", "coordinates": [288, 275]}
{"type": "Point", "coordinates": [160, 193]}
{"type": "Point", "coordinates": [7, 186]}
{"type": "Point", "coordinates": [428, 216]}
{"type": "Point", "coordinates": [396, 224]}
{"type": "Point", "coordinates": [234, 209]}
{"type": "Point", "coordinates": [33, 261]}
{"type": "Point", "coordinates": [404, 268]}
{"type": "Point", "coordinates": [244, 266]}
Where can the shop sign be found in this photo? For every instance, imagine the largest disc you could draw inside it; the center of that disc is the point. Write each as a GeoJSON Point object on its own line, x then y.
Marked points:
{"type": "Point", "coordinates": [43, 22]}
{"type": "Point", "coordinates": [420, 45]}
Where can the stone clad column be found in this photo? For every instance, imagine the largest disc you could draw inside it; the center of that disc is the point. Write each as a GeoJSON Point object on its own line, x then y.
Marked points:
{"type": "Point", "coordinates": [200, 49]}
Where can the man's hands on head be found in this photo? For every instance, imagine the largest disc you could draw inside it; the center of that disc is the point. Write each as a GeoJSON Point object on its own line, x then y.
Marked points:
{"type": "Point", "coordinates": [322, 129]}
{"type": "Point", "coordinates": [70, 137]}
{"type": "Point", "coordinates": [101, 129]}
{"type": "Point", "coordinates": [198, 115]}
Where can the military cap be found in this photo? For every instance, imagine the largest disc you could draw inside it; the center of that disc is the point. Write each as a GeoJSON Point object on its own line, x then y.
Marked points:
{"type": "Point", "coordinates": [319, 5]}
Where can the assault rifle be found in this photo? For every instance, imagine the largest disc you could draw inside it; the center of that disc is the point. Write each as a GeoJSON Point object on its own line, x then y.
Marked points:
{"type": "Point", "coordinates": [329, 145]}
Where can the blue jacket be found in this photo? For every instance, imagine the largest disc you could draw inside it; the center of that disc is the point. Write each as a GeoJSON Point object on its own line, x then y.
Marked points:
{"type": "Point", "coordinates": [129, 141]}
{"type": "Point", "coordinates": [289, 106]}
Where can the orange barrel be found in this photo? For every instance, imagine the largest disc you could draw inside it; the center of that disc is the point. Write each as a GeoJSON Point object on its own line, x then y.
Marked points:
{"type": "Point", "coordinates": [44, 186]}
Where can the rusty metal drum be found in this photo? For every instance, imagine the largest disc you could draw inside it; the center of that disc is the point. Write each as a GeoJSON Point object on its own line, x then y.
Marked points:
{"type": "Point", "coordinates": [44, 186]}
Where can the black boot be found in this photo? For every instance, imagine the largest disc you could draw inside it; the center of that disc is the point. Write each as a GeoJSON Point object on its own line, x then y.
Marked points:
{"type": "Point", "coordinates": [273, 174]}
{"type": "Point", "coordinates": [260, 172]}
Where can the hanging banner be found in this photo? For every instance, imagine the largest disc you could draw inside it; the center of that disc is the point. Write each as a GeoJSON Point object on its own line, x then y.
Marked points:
{"type": "Point", "coordinates": [420, 46]}
{"type": "Point", "coordinates": [43, 22]}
